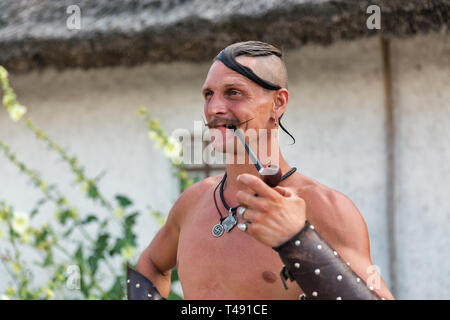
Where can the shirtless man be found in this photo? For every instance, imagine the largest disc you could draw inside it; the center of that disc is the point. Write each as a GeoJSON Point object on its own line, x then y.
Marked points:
{"type": "Point", "coordinates": [242, 263]}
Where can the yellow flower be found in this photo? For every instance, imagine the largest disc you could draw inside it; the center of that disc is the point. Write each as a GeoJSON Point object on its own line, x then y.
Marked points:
{"type": "Point", "coordinates": [142, 110]}
{"type": "Point", "coordinates": [49, 293]}
{"type": "Point", "coordinates": [3, 73]}
{"type": "Point", "coordinates": [127, 253]}
{"type": "Point", "coordinates": [159, 141]}
{"type": "Point", "coordinates": [25, 238]}
{"type": "Point", "coordinates": [152, 135]}
{"type": "Point", "coordinates": [10, 290]}
{"type": "Point", "coordinates": [2, 233]}
{"type": "Point", "coordinates": [74, 213]}
{"type": "Point", "coordinates": [118, 212]}
{"type": "Point", "coordinates": [183, 174]}
{"type": "Point", "coordinates": [17, 111]}
{"type": "Point", "coordinates": [173, 150]}
{"type": "Point", "coordinates": [44, 185]}
{"type": "Point", "coordinates": [84, 187]}
{"type": "Point", "coordinates": [155, 124]}
{"type": "Point", "coordinates": [8, 99]}
{"type": "Point", "coordinates": [20, 222]}
{"type": "Point", "coordinates": [60, 277]}
{"type": "Point", "coordinates": [16, 268]}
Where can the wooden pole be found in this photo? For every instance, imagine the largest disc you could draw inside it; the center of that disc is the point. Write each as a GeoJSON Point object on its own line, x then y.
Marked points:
{"type": "Point", "coordinates": [390, 165]}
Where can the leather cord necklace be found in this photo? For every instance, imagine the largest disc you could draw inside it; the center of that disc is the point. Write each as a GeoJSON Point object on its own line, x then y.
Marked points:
{"type": "Point", "coordinates": [229, 222]}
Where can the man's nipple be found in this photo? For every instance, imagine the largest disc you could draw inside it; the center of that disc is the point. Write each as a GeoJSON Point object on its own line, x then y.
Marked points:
{"type": "Point", "coordinates": [269, 276]}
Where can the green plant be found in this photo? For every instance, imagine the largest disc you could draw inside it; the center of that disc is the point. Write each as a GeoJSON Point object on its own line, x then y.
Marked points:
{"type": "Point", "coordinates": [72, 245]}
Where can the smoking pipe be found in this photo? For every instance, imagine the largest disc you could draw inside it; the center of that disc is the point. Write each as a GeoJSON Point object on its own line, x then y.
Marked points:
{"type": "Point", "coordinates": [270, 174]}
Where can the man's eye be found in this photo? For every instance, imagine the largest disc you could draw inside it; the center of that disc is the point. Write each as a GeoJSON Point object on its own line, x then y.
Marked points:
{"type": "Point", "coordinates": [208, 94]}
{"type": "Point", "coordinates": [234, 92]}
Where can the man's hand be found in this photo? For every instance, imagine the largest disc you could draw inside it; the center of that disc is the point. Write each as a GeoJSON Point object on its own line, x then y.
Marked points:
{"type": "Point", "coordinates": [275, 215]}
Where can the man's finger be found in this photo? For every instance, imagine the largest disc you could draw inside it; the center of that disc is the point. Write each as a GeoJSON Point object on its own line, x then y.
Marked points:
{"type": "Point", "coordinates": [285, 192]}
{"type": "Point", "coordinates": [249, 215]}
{"type": "Point", "coordinates": [258, 186]}
{"type": "Point", "coordinates": [250, 201]}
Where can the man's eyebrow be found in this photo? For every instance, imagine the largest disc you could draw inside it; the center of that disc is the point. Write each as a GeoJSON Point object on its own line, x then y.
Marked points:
{"type": "Point", "coordinates": [206, 89]}
{"type": "Point", "coordinates": [234, 84]}
{"type": "Point", "coordinates": [227, 85]}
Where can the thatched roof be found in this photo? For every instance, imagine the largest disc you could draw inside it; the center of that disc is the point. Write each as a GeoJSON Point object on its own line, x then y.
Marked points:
{"type": "Point", "coordinates": [33, 33]}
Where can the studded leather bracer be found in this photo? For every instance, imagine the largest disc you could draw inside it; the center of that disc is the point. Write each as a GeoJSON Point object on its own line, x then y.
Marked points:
{"type": "Point", "coordinates": [319, 270]}
{"type": "Point", "coordinates": [140, 288]}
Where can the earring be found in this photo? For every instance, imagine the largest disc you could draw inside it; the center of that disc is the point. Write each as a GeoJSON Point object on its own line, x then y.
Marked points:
{"type": "Point", "coordinates": [276, 118]}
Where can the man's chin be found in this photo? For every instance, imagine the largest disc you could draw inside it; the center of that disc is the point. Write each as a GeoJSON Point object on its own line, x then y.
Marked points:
{"type": "Point", "coordinates": [230, 147]}
{"type": "Point", "coordinates": [222, 146]}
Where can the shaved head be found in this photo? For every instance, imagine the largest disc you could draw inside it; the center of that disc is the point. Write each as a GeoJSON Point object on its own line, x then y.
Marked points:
{"type": "Point", "coordinates": [262, 58]}
{"type": "Point", "coordinates": [260, 62]}
{"type": "Point", "coordinates": [270, 68]}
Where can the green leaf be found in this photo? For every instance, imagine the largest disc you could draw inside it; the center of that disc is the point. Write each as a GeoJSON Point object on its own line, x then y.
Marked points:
{"type": "Point", "coordinates": [68, 232]}
{"type": "Point", "coordinates": [42, 236]}
{"type": "Point", "coordinates": [123, 201]}
{"type": "Point", "coordinates": [90, 218]}
{"type": "Point", "coordinates": [104, 223]}
{"type": "Point", "coordinates": [48, 259]}
{"type": "Point", "coordinates": [130, 238]}
{"type": "Point", "coordinates": [36, 209]}
{"type": "Point", "coordinates": [174, 275]}
{"type": "Point", "coordinates": [130, 220]}
{"type": "Point", "coordinates": [174, 296]}
{"type": "Point", "coordinates": [34, 212]}
{"type": "Point", "coordinates": [100, 246]}
{"type": "Point", "coordinates": [93, 264]}
{"type": "Point", "coordinates": [118, 245]}
{"type": "Point", "coordinates": [92, 191]}
{"type": "Point", "coordinates": [79, 254]}
{"type": "Point", "coordinates": [117, 292]}
{"type": "Point", "coordinates": [64, 215]}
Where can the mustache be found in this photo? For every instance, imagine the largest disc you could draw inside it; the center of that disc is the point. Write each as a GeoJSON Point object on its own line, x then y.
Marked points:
{"type": "Point", "coordinates": [228, 123]}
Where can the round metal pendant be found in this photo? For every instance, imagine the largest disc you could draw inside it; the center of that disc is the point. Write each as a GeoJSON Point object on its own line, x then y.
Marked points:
{"type": "Point", "coordinates": [217, 230]}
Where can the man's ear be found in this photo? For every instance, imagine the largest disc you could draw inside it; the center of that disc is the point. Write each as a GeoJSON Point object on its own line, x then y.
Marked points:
{"type": "Point", "coordinates": [280, 102]}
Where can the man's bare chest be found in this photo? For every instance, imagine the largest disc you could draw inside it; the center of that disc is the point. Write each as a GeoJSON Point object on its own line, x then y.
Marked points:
{"type": "Point", "coordinates": [232, 266]}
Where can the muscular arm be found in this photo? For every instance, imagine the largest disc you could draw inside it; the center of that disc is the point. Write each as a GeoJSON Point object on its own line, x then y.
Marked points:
{"type": "Point", "coordinates": [328, 259]}
{"type": "Point", "coordinates": [158, 259]}
{"type": "Point", "coordinates": [340, 223]}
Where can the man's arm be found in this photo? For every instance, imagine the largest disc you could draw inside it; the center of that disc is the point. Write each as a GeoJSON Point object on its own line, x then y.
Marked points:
{"type": "Point", "coordinates": [158, 259]}
{"type": "Point", "coordinates": [160, 256]}
{"type": "Point", "coordinates": [316, 256]}
{"type": "Point", "coordinates": [339, 222]}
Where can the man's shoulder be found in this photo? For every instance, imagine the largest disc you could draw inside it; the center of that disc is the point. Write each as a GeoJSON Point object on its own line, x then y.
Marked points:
{"type": "Point", "coordinates": [313, 190]}
{"type": "Point", "coordinates": [193, 193]}
{"type": "Point", "coordinates": [333, 213]}
{"type": "Point", "coordinates": [327, 203]}
{"type": "Point", "coordinates": [191, 197]}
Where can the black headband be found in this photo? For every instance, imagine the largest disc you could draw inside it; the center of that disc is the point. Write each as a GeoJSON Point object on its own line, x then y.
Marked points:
{"type": "Point", "coordinates": [227, 58]}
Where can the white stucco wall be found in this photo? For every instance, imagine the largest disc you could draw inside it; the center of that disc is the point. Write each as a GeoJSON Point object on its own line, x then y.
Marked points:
{"type": "Point", "coordinates": [421, 91]}
{"type": "Point", "coordinates": [335, 112]}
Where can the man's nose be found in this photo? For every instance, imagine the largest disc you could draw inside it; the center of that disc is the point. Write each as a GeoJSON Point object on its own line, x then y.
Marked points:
{"type": "Point", "coordinates": [215, 106]}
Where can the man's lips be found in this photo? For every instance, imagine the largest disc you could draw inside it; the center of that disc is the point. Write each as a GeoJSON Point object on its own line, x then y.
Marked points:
{"type": "Point", "coordinates": [225, 123]}
{"type": "Point", "coordinates": [220, 126]}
